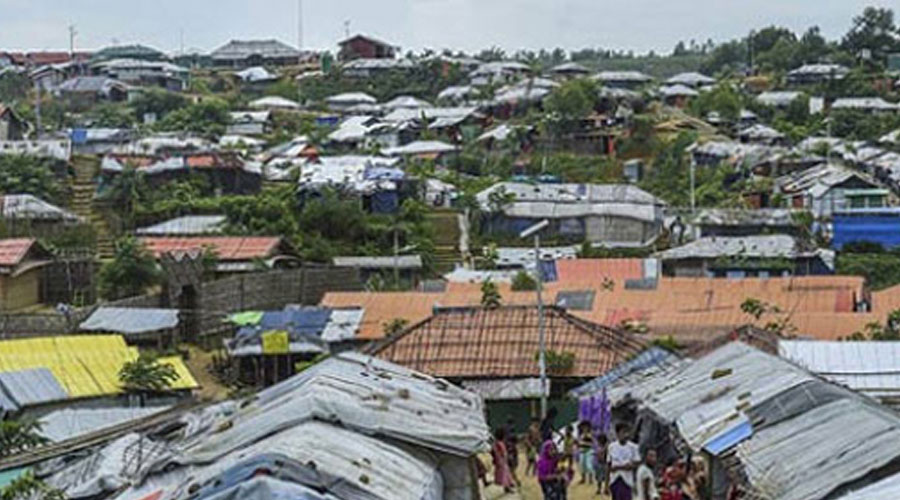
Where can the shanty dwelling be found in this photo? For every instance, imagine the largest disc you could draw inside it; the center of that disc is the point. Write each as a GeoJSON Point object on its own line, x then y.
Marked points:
{"type": "Point", "coordinates": [21, 277]}
{"type": "Point", "coordinates": [866, 225]}
{"type": "Point", "coordinates": [256, 77]}
{"type": "Point", "coordinates": [316, 436]}
{"type": "Point", "coordinates": [436, 151]}
{"type": "Point", "coordinates": [233, 254]}
{"type": "Point", "coordinates": [249, 53]}
{"type": "Point", "coordinates": [187, 225]}
{"type": "Point", "coordinates": [451, 124]}
{"type": "Point", "coordinates": [274, 103]}
{"type": "Point", "coordinates": [691, 79]}
{"type": "Point", "coordinates": [870, 105]}
{"type": "Point", "coordinates": [458, 95]}
{"type": "Point", "coordinates": [12, 127]}
{"type": "Point", "coordinates": [226, 172]}
{"type": "Point", "coordinates": [569, 70]}
{"type": "Point", "coordinates": [494, 352]}
{"type": "Point", "coordinates": [746, 256]}
{"type": "Point", "coordinates": [630, 80]}
{"type": "Point", "coordinates": [366, 47]}
{"type": "Point", "coordinates": [378, 182]}
{"type": "Point", "coordinates": [270, 346]}
{"type": "Point", "coordinates": [498, 72]}
{"type": "Point", "coordinates": [779, 98]}
{"type": "Point", "coordinates": [43, 374]}
{"type": "Point", "coordinates": [149, 327]}
{"type": "Point", "coordinates": [677, 95]}
{"type": "Point", "coordinates": [868, 367]}
{"type": "Point", "coordinates": [613, 215]}
{"type": "Point", "coordinates": [822, 189]}
{"type": "Point", "coordinates": [762, 134]}
{"type": "Point", "coordinates": [811, 74]}
{"type": "Point", "coordinates": [345, 101]}
{"type": "Point", "coordinates": [135, 51]}
{"type": "Point", "coordinates": [249, 123]}
{"type": "Point", "coordinates": [400, 269]}
{"type": "Point", "coordinates": [367, 68]}
{"type": "Point", "coordinates": [161, 74]}
{"type": "Point", "coordinates": [759, 425]}
{"type": "Point", "coordinates": [83, 92]}
{"type": "Point", "coordinates": [725, 222]}
{"type": "Point", "coordinates": [27, 215]}
{"type": "Point", "coordinates": [99, 141]}
{"type": "Point", "coordinates": [362, 132]}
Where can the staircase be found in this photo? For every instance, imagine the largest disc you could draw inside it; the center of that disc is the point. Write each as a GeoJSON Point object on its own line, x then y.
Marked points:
{"type": "Point", "coordinates": [446, 240]}
{"type": "Point", "coordinates": [83, 205]}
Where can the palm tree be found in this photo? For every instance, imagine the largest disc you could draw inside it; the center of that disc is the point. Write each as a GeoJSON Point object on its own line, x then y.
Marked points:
{"type": "Point", "coordinates": [126, 191]}
{"type": "Point", "coordinates": [146, 375]}
{"type": "Point", "coordinates": [18, 436]}
{"type": "Point", "coordinates": [490, 295]}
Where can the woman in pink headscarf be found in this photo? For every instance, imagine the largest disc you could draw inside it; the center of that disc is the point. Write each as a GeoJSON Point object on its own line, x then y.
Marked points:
{"type": "Point", "coordinates": [500, 455]}
{"type": "Point", "coordinates": [553, 480]}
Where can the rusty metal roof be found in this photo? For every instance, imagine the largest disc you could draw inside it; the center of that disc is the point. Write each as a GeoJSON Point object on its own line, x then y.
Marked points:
{"type": "Point", "coordinates": [226, 248]}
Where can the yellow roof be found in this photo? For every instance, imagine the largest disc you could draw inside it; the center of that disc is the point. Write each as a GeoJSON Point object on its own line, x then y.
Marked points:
{"type": "Point", "coordinates": [85, 365]}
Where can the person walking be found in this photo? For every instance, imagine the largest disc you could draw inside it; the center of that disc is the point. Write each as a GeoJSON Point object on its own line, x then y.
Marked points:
{"type": "Point", "coordinates": [532, 446]}
{"type": "Point", "coordinates": [499, 455]}
{"type": "Point", "coordinates": [586, 452]}
{"type": "Point", "coordinates": [623, 458]}
{"type": "Point", "coordinates": [551, 477]}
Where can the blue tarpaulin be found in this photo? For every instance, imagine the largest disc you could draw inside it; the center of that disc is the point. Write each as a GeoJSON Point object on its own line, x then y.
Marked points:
{"type": "Point", "coordinates": [548, 271]}
{"type": "Point", "coordinates": [79, 136]}
{"type": "Point", "coordinates": [729, 439]}
{"type": "Point", "coordinates": [880, 226]}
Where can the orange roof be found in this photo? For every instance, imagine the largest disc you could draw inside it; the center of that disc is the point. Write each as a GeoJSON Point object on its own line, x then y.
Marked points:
{"type": "Point", "coordinates": [226, 248]}
{"type": "Point", "coordinates": [14, 250]}
{"type": "Point", "coordinates": [595, 270]}
{"type": "Point", "coordinates": [687, 307]}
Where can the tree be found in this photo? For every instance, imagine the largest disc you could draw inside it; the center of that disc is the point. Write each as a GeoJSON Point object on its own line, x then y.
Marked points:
{"type": "Point", "coordinates": [395, 326]}
{"type": "Point", "coordinates": [874, 31]}
{"type": "Point", "coordinates": [570, 103]}
{"type": "Point", "coordinates": [146, 375]}
{"type": "Point", "coordinates": [19, 436]}
{"type": "Point", "coordinates": [157, 102]}
{"type": "Point", "coordinates": [523, 282]}
{"type": "Point", "coordinates": [125, 192]}
{"type": "Point", "coordinates": [111, 115]}
{"type": "Point", "coordinates": [209, 117]}
{"type": "Point", "coordinates": [22, 174]}
{"type": "Point", "coordinates": [777, 323]}
{"type": "Point", "coordinates": [490, 295]}
{"type": "Point", "coordinates": [14, 86]}
{"type": "Point", "coordinates": [29, 487]}
{"type": "Point", "coordinates": [131, 271]}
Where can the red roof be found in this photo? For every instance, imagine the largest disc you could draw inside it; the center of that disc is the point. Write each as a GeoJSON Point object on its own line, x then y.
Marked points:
{"type": "Point", "coordinates": [45, 57]}
{"type": "Point", "coordinates": [14, 250]}
{"type": "Point", "coordinates": [226, 248]}
{"type": "Point", "coordinates": [573, 271]}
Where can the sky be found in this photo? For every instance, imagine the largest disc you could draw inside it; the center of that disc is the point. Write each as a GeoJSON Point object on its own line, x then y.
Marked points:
{"type": "Point", "coordinates": [470, 25]}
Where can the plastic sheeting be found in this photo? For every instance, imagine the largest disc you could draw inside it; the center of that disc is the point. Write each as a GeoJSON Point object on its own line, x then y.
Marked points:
{"type": "Point", "coordinates": [367, 395]}
{"type": "Point", "coordinates": [652, 357]}
{"type": "Point", "coordinates": [886, 489]}
{"type": "Point", "coordinates": [20, 389]}
{"type": "Point", "coordinates": [130, 320]}
{"type": "Point", "coordinates": [816, 452]}
{"type": "Point", "coordinates": [267, 488]}
{"type": "Point", "coordinates": [69, 423]}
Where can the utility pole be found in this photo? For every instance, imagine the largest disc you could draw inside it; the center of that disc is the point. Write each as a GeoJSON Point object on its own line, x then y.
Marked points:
{"type": "Point", "coordinates": [347, 29]}
{"type": "Point", "coordinates": [72, 33]}
{"type": "Point", "coordinates": [300, 30]}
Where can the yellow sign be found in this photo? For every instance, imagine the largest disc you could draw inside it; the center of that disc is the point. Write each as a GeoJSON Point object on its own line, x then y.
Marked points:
{"type": "Point", "coordinates": [275, 342]}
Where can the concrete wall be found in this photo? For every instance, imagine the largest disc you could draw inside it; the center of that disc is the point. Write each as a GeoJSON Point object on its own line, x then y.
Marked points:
{"type": "Point", "coordinates": [20, 291]}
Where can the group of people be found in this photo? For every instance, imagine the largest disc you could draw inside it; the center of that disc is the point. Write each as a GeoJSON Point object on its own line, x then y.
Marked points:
{"type": "Point", "coordinates": [616, 465]}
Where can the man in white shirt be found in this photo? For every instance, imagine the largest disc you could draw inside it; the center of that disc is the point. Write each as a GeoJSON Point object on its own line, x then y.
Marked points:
{"type": "Point", "coordinates": [623, 457]}
{"type": "Point", "coordinates": [645, 484]}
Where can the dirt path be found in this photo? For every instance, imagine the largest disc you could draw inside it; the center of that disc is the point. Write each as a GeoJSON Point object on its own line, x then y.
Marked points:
{"type": "Point", "coordinates": [531, 490]}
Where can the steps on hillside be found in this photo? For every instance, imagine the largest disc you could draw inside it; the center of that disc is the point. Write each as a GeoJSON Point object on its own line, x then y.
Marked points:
{"type": "Point", "coordinates": [83, 205]}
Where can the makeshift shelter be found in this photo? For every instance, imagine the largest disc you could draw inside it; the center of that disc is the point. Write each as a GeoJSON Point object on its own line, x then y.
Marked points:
{"type": "Point", "coordinates": [21, 278]}
{"type": "Point", "coordinates": [314, 436]}
{"type": "Point", "coordinates": [156, 327]}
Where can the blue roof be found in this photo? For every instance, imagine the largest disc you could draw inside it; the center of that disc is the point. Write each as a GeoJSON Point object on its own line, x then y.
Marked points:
{"type": "Point", "coordinates": [872, 225]}
{"type": "Point", "coordinates": [23, 388]}
{"type": "Point", "coordinates": [651, 357]}
{"type": "Point", "coordinates": [730, 438]}
{"type": "Point", "coordinates": [301, 323]}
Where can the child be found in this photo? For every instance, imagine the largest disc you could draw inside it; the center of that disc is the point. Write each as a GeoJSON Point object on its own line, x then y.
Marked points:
{"type": "Point", "coordinates": [532, 445]}
{"type": "Point", "coordinates": [502, 475]}
{"type": "Point", "coordinates": [600, 443]}
{"type": "Point", "coordinates": [570, 448]}
{"type": "Point", "coordinates": [585, 452]}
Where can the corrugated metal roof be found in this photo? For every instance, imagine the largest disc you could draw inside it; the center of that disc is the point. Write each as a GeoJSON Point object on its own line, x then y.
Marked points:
{"type": "Point", "coordinates": [382, 262]}
{"type": "Point", "coordinates": [14, 250]}
{"type": "Point", "coordinates": [227, 248]}
{"type": "Point", "coordinates": [243, 49]}
{"type": "Point", "coordinates": [869, 367]}
{"type": "Point", "coordinates": [761, 246]}
{"type": "Point", "coordinates": [130, 320]}
{"type": "Point", "coordinates": [343, 325]}
{"type": "Point", "coordinates": [886, 489]}
{"type": "Point", "coordinates": [69, 423]}
{"type": "Point", "coordinates": [691, 78]}
{"type": "Point", "coordinates": [187, 225]}
{"type": "Point", "coordinates": [26, 206]}
{"type": "Point", "coordinates": [30, 387]}
{"type": "Point", "coordinates": [653, 357]}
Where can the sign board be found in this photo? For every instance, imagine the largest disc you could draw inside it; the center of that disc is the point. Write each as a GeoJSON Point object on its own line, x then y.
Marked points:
{"type": "Point", "coordinates": [275, 342]}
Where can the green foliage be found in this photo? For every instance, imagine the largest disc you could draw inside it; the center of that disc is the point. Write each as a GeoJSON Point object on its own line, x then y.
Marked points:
{"type": "Point", "coordinates": [20, 174]}
{"type": "Point", "coordinates": [424, 80]}
{"type": "Point", "coordinates": [724, 99]}
{"type": "Point", "coordinates": [668, 343]}
{"type": "Point", "coordinates": [776, 321]}
{"type": "Point", "coordinates": [208, 118]}
{"type": "Point", "coordinates": [669, 179]}
{"type": "Point", "coordinates": [29, 487]}
{"type": "Point", "coordinates": [14, 87]}
{"type": "Point", "coordinates": [131, 271]}
{"type": "Point", "coordinates": [157, 101]}
{"type": "Point", "coordinates": [523, 282]}
{"type": "Point", "coordinates": [858, 125]}
{"type": "Point", "coordinates": [875, 331]}
{"type": "Point", "coordinates": [558, 363]}
{"type": "Point", "coordinates": [395, 326]}
{"type": "Point", "coordinates": [643, 141]}
{"type": "Point", "coordinates": [881, 270]}
{"type": "Point", "coordinates": [19, 436]}
{"type": "Point", "coordinates": [127, 191]}
{"type": "Point", "coordinates": [284, 88]}
{"type": "Point", "coordinates": [111, 115]}
{"type": "Point", "coordinates": [490, 295]}
{"type": "Point", "coordinates": [570, 103]}
{"type": "Point", "coordinates": [146, 374]}
{"type": "Point", "coordinates": [875, 31]}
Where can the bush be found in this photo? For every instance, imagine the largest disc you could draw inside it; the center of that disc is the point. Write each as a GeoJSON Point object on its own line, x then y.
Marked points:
{"type": "Point", "coordinates": [523, 282]}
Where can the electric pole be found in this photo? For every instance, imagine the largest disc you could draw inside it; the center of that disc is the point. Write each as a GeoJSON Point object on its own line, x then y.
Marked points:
{"type": "Point", "coordinates": [72, 33]}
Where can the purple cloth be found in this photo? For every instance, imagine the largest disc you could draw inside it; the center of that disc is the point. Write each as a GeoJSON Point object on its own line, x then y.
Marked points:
{"type": "Point", "coordinates": [547, 461]}
{"type": "Point", "coordinates": [620, 490]}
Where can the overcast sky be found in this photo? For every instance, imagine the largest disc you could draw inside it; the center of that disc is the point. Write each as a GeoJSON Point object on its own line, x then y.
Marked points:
{"type": "Point", "coordinates": [469, 25]}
